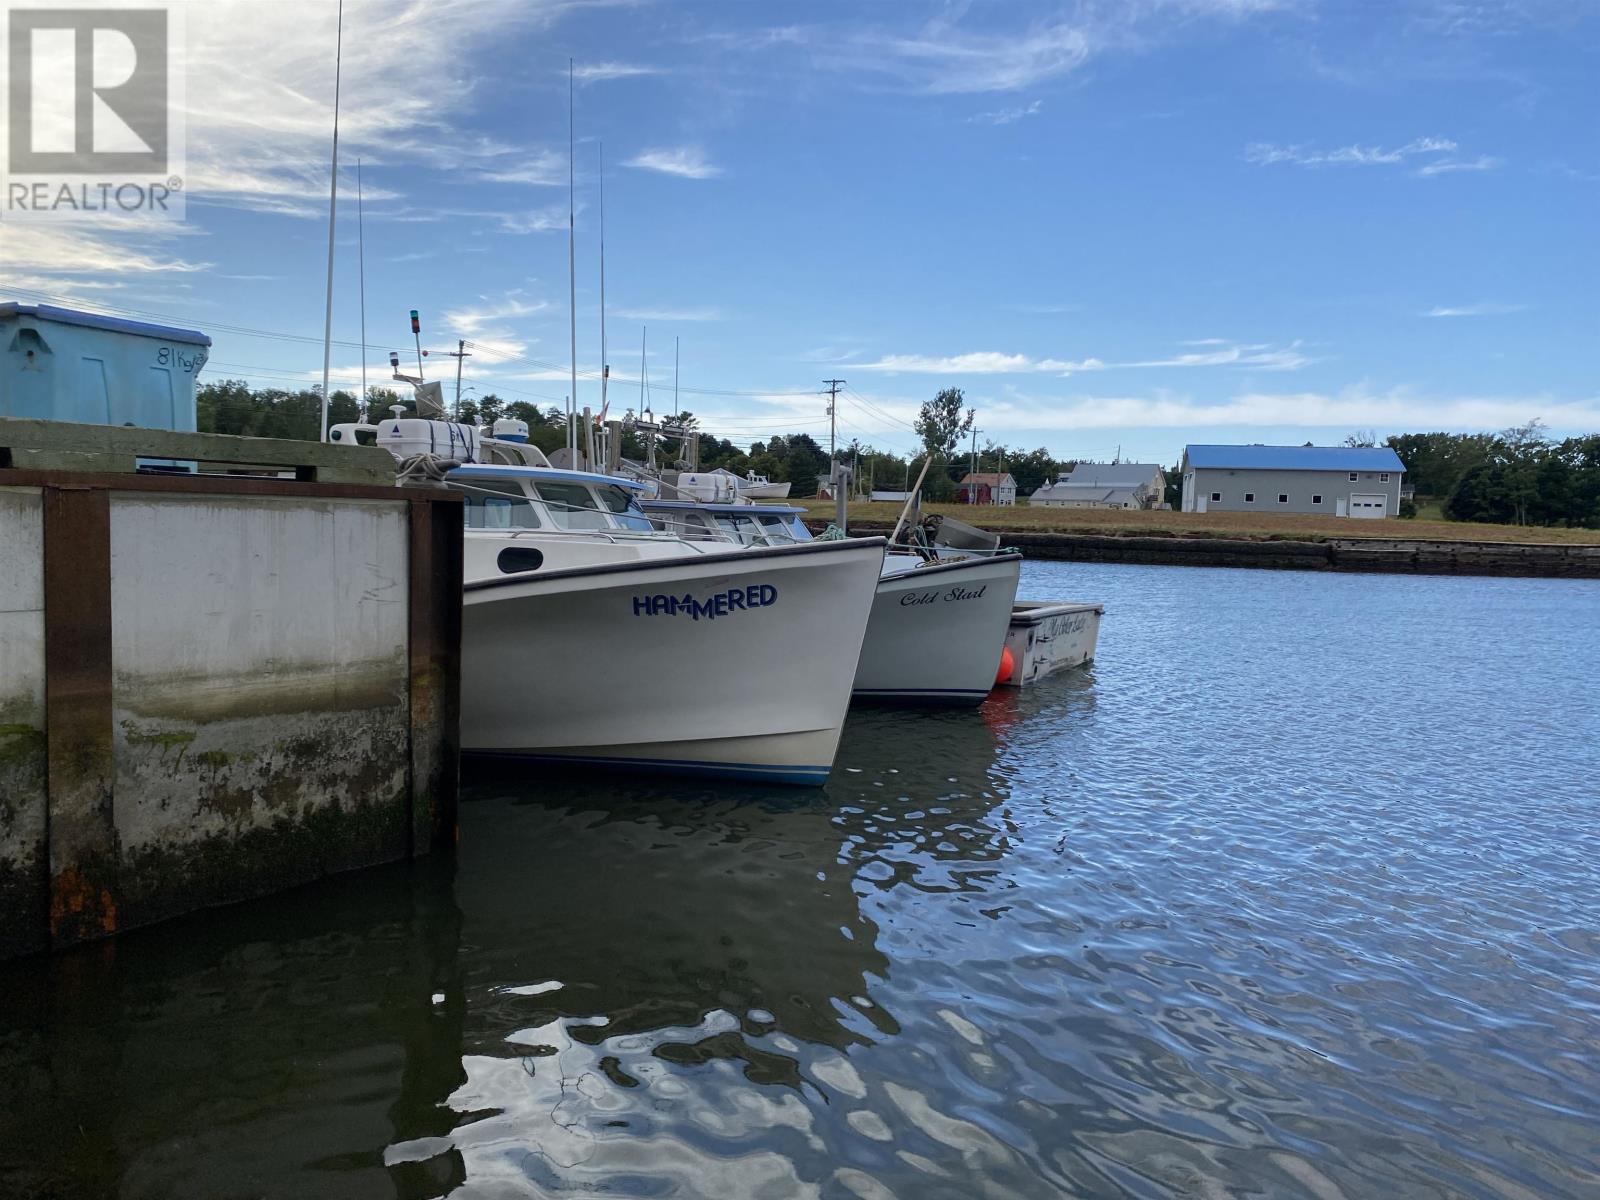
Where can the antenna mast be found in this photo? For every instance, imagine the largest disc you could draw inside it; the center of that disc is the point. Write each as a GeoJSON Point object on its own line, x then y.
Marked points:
{"type": "Point", "coordinates": [605, 366]}
{"type": "Point", "coordinates": [333, 202]}
{"type": "Point", "coordinates": [361, 252]}
{"type": "Point", "coordinates": [572, 256]}
{"type": "Point", "coordinates": [674, 375]}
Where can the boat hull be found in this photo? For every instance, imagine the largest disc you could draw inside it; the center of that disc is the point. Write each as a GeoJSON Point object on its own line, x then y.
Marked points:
{"type": "Point", "coordinates": [590, 666]}
{"type": "Point", "coordinates": [1046, 637]}
{"type": "Point", "coordinates": [937, 631]}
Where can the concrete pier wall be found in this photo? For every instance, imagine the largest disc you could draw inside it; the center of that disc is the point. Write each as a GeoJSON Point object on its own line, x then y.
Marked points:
{"type": "Point", "coordinates": [214, 688]}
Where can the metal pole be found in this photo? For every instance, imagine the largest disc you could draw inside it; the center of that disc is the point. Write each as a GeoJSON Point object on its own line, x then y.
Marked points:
{"type": "Point", "coordinates": [333, 204]}
{"type": "Point", "coordinates": [572, 254]}
{"type": "Point", "coordinates": [361, 258]}
{"type": "Point", "coordinates": [674, 375]}
{"type": "Point", "coordinates": [605, 365]}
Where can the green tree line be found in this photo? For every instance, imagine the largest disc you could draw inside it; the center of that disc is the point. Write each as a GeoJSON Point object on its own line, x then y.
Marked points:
{"type": "Point", "coordinates": [1519, 476]}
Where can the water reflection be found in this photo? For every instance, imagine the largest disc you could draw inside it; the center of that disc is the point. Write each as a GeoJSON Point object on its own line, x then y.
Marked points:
{"type": "Point", "coordinates": [1189, 923]}
{"type": "Point", "coordinates": [231, 1053]}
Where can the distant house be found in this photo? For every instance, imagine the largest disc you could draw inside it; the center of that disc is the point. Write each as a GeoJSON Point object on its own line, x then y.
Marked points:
{"type": "Point", "coordinates": [1334, 481]}
{"type": "Point", "coordinates": [1106, 485]}
{"type": "Point", "coordinates": [987, 487]}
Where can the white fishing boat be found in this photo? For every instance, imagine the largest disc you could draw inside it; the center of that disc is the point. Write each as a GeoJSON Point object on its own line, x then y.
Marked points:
{"type": "Point", "coordinates": [752, 486]}
{"type": "Point", "coordinates": [938, 624]}
{"type": "Point", "coordinates": [578, 614]}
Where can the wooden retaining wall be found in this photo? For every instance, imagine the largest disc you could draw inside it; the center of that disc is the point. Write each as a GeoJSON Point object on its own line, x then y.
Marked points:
{"type": "Point", "coordinates": [215, 687]}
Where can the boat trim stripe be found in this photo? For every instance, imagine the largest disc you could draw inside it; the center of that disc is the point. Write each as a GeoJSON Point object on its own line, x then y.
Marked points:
{"type": "Point", "coordinates": [694, 766]}
{"type": "Point", "coordinates": [678, 561]}
{"type": "Point", "coordinates": [961, 564]}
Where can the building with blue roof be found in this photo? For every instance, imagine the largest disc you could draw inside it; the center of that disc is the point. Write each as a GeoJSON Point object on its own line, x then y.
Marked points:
{"type": "Point", "coordinates": [1330, 481]}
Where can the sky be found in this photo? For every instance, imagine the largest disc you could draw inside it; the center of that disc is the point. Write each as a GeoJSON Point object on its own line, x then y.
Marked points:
{"type": "Point", "coordinates": [1120, 227]}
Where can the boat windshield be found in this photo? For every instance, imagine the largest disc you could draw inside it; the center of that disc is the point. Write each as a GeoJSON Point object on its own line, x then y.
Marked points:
{"type": "Point", "coordinates": [496, 504]}
{"type": "Point", "coordinates": [573, 506]}
{"type": "Point", "coordinates": [620, 503]}
{"type": "Point", "coordinates": [785, 529]}
{"type": "Point", "coordinates": [743, 528]}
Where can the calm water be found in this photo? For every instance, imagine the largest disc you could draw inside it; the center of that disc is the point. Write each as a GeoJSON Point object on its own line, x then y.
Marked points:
{"type": "Point", "coordinates": [1294, 894]}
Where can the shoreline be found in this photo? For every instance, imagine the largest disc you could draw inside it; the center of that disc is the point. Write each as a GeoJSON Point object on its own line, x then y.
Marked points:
{"type": "Point", "coordinates": [1407, 556]}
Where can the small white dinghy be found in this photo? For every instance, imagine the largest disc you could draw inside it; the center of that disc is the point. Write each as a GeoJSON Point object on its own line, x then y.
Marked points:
{"type": "Point", "coordinates": [1047, 636]}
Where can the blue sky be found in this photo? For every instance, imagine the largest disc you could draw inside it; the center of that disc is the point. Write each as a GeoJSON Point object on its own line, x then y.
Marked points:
{"type": "Point", "coordinates": [1125, 225]}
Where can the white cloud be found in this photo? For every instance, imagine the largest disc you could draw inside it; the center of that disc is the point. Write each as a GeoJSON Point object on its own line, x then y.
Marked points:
{"type": "Point", "coordinates": [989, 362]}
{"type": "Point", "coordinates": [602, 72]}
{"type": "Point", "coordinates": [1006, 116]}
{"type": "Point", "coordinates": [687, 162]}
{"type": "Point", "coordinates": [1266, 154]}
{"type": "Point", "coordinates": [943, 56]}
{"type": "Point", "coordinates": [486, 326]}
{"type": "Point", "coordinates": [1393, 408]}
{"type": "Point", "coordinates": [1486, 308]}
{"type": "Point", "coordinates": [541, 168]}
{"type": "Point", "coordinates": [669, 314]}
{"type": "Point", "coordinates": [116, 251]}
{"type": "Point", "coordinates": [1483, 162]}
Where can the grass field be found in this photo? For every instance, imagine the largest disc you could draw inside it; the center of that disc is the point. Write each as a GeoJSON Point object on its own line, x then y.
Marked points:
{"type": "Point", "coordinates": [1250, 526]}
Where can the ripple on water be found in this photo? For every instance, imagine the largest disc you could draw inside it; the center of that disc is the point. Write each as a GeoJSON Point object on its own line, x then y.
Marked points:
{"type": "Point", "coordinates": [1291, 893]}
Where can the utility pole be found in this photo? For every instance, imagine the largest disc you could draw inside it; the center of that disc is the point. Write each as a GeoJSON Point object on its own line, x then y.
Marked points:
{"type": "Point", "coordinates": [972, 489]}
{"type": "Point", "coordinates": [833, 432]}
{"type": "Point", "coordinates": [459, 353]}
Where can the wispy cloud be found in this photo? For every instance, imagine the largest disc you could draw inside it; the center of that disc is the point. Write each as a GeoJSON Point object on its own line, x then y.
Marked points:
{"type": "Point", "coordinates": [602, 72]}
{"type": "Point", "coordinates": [686, 162]}
{"type": "Point", "coordinates": [1486, 308]}
{"type": "Point", "coordinates": [1006, 116]}
{"type": "Point", "coordinates": [62, 250]}
{"type": "Point", "coordinates": [485, 323]}
{"type": "Point", "coordinates": [541, 168]}
{"type": "Point", "coordinates": [1483, 162]}
{"type": "Point", "coordinates": [988, 362]}
{"type": "Point", "coordinates": [1361, 405]}
{"type": "Point", "coordinates": [1267, 154]}
{"type": "Point", "coordinates": [947, 56]}
{"type": "Point", "coordinates": [669, 314]}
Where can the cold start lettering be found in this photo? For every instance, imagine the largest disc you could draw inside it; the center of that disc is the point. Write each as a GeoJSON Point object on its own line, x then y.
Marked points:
{"type": "Point", "coordinates": [956, 593]}
{"type": "Point", "coordinates": [719, 604]}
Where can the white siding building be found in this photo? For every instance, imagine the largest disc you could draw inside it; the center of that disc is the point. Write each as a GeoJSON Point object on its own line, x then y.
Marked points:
{"type": "Point", "coordinates": [1106, 485]}
{"type": "Point", "coordinates": [1332, 481]}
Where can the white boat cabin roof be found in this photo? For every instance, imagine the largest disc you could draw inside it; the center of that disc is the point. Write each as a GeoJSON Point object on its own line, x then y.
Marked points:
{"type": "Point", "coordinates": [468, 471]}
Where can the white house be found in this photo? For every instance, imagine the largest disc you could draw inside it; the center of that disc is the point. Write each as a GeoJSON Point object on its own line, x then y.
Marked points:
{"type": "Point", "coordinates": [1106, 485]}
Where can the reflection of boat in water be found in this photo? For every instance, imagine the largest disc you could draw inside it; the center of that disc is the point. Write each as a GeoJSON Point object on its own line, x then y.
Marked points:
{"type": "Point", "coordinates": [632, 983]}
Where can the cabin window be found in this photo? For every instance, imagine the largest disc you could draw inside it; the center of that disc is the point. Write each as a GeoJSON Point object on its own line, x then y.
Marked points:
{"type": "Point", "coordinates": [1316, 499]}
{"type": "Point", "coordinates": [744, 529]}
{"type": "Point", "coordinates": [572, 506]}
{"type": "Point", "coordinates": [1249, 497]}
{"type": "Point", "coordinates": [1283, 497]}
{"type": "Point", "coordinates": [1216, 497]}
{"type": "Point", "coordinates": [1354, 478]}
{"type": "Point", "coordinates": [519, 558]}
{"type": "Point", "coordinates": [496, 504]}
{"type": "Point", "coordinates": [620, 503]}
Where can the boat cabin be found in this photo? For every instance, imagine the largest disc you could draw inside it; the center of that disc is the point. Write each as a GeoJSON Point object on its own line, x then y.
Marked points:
{"type": "Point", "coordinates": [508, 498]}
{"type": "Point", "coordinates": [747, 524]}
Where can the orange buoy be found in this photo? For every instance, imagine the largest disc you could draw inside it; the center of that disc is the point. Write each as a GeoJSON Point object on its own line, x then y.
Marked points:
{"type": "Point", "coordinates": [1007, 665]}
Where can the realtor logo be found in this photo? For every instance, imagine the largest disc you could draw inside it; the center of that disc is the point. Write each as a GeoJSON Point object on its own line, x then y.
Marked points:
{"type": "Point", "coordinates": [93, 113]}
{"type": "Point", "coordinates": [88, 91]}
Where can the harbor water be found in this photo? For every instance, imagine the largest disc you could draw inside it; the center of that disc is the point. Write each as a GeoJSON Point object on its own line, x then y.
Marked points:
{"type": "Point", "coordinates": [1293, 893]}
